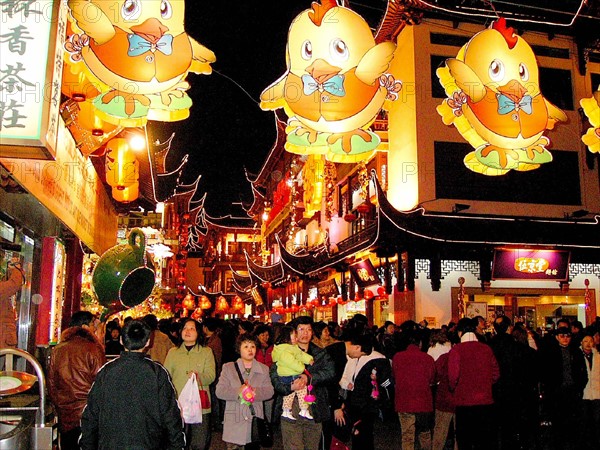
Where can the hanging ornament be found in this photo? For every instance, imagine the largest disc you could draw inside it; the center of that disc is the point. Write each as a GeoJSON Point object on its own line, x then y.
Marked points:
{"type": "Point", "coordinates": [494, 100]}
{"type": "Point", "coordinates": [591, 108]}
{"type": "Point", "coordinates": [461, 298]}
{"type": "Point", "coordinates": [205, 302]}
{"type": "Point", "coordinates": [222, 305]}
{"type": "Point", "coordinates": [122, 167]}
{"type": "Point", "coordinates": [128, 194]}
{"type": "Point", "coordinates": [189, 302]}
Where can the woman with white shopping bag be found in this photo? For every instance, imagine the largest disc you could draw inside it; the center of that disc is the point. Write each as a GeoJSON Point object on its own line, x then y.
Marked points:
{"type": "Point", "coordinates": [257, 387]}
{"type": "Point", "coordinates": [186, 363]}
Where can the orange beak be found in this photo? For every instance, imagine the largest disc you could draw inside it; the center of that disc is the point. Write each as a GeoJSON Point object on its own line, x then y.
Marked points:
{"type": "Point", "coordinates": [322, 71]}
{"type": "Point", "coordinates": [513, 90]}
{"type": "Point", "coordinates": [151, 30]}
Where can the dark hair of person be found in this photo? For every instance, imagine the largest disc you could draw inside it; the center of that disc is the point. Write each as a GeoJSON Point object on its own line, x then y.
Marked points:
{"type": "Point", "coordinates": [135, 335]}
{"type": "Point", "coordinates": [466, 325]}
{"type": "Point", "coordinates": [303, 320]}
{"type": "Point", "coordinates": [501, 324]}
{"type": "Point", "coordinates": [200, 338]}
{"type": "Point", "coordinates": [211, 323]}
{"type": "Point", "coordinates": [151, 321]}
{"type": "Point", "coordinates": [285, 335]}
{"type": "Point", "coordinates": [262, 328]}
{"type": "Point", "coordinates": [318, 328]}
{"type": "Point", "coordinates": [81, 318]}
{"type": "Point", "coordinates": [364, 340]}
{"type": "Point", "coordinates": [246, 337]}
{"type": "Point", "coordinates": [438, 337]}
{"type": "Point", "coordinates": [519, 334]}
{"type": "Point", "coordinates": [248, 327]}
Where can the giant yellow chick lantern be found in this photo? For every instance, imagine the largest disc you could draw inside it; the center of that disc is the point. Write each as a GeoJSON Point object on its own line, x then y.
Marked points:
{"type": "Point", "coordinates": [591, 108]}
{"type": "Point", "coordinates": [137, 54]}
{"type": "Point", "coordinates": [335, 84]}
{"type": "Point", "coordinates": [494, 100]}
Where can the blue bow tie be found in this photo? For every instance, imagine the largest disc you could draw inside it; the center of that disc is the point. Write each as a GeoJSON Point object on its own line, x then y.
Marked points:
{"type": "Point", "coordinates": [138, 45]}
{"type": "Point", "coordinates": [506, 105]}
{"type": "Point", "coordinates": [335, 85]}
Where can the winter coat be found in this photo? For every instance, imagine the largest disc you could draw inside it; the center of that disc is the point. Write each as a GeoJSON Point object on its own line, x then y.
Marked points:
{"type": "Point", "coordinates": [290, 359]}
{"type": "Point", "coordinates": [160, 344]}
{"type": "Point", "coordinates": [74, 363]}
{"type": "Point", "coordinates": [444, 398]}
{"type": "Point", "coordinates": [472, 371]}
{"type": "Point", "coordinates": [592, 388]}
{"type": "Point", "coordinates": [132, 404]}
{"type": "Point", "coordinates": [180, 363]}
{"type": "Point", "coordinates": [552, 372]}
{"type": "Point", "coordinates": [265, 355]}
{"type": "Point", "coordinates": [414, 373]}
{"type": "Point", "coordinates": [237, 428]}
{"type": "Point", "coordinates": [322, 372]}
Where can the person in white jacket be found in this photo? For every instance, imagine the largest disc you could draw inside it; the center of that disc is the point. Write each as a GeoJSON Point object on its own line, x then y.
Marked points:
{"type": "Point", "coordinates": [591, 393]}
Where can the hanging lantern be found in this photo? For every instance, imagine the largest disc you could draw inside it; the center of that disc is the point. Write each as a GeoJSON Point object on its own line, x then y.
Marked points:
{"type": "Point", "coordinates": [222, 304]}
{"type": "Point", "coordinates": [381, 291]}
{"type": "Point", "coordinates": [127, 195]}
{"type": "Point", "coordinates": [88, 119]}
{"type": "Point", "coordinates": [332, 301]}
{"type": "Point", "coordinates": [341, 301]}
{"type": "Point", "coordinates": [369, 294]}
{"type": "Point", "coordinates": [197, 313]}
{"type": "Point", "coordinates": [237, 305]}
{"type": "Point", "coordinates": [122, 167]}
{"type": "Point", "coordinates": [205, 302]}
{"type": "Point", "coordinates": [189, 302]}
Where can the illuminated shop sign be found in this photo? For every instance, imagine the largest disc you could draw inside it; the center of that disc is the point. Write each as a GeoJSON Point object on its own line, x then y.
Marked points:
{"type": "Point", "coordinates": [527, 264]}
{"type": "Point", "coordinates": [364, 273]}
{"type": "Point", "coordinates": [328, 288]}
{"type": "Point", "coordinates": [30, 76]}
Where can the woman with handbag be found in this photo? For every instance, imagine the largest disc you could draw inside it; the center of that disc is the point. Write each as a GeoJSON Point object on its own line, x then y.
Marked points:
{"type": "Point", "coordinates": [192, 357]}
{"type": "Point", "coordinates": [244, 385]}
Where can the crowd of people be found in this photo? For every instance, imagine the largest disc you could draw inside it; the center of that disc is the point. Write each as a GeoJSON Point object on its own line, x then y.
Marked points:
{"type": "Point", "coordinates": [464, 384]}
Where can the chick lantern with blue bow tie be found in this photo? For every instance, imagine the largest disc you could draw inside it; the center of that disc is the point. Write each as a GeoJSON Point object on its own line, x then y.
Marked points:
{"type": "Point", "coordinates": [134, 55]}
{"type": "Point", "coordinates": [495, 103]}
{"type": "Point", "coordinates": [335, 84]}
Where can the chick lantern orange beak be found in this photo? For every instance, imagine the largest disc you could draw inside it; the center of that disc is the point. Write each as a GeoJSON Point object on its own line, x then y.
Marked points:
{"type": "Point", "coordinates": [513, 90]}
{"type": "Point", "coordinates": [151, 30]}
{"type": "Point", "coordinates": [322, 71]}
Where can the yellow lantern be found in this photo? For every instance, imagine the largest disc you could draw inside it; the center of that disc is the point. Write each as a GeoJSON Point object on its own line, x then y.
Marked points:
{"type": "Point", "coordinates": [222, 304]}
{"type": "Point", "coordinates": [122, 167]}
{"type": "Point", "coordinates": [591, 108]}
{"type": "Point", "coordinates": [89, 120]}
{"type": "Point", "coordinates": [128, 194]}
{"type": "Point", "coordinates": [189, 302]}
{"type": "Point", "coordinates": [205, 302]}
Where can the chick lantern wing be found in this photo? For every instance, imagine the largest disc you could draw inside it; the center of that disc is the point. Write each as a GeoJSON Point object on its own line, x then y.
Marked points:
{"type": "Point", "coordinates": [591, 108]}
{"type": "Point", "coordinates": [335, 84]}
{"type": "Point", "coordinates": [494, 100]}
{"type": "Point", "coordinates": [133, 59]}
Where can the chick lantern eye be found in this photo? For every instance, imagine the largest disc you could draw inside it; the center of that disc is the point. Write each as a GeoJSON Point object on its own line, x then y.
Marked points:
{"type": "Point", "coordinates": [131, 9]}
{"type": "Point", "coordinates": [338, 50]}
{"type": "Point", "coordinates": [307, 50]}
{"type": "Point", "coordinates": [523, 72]}
{"type": "Point", "coordinates": [496, 70]}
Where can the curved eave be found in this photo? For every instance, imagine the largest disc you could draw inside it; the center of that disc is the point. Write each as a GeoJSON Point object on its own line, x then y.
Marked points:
{"type": "Point", "coordinates": [264, 274]}
{"type": "Point", "coordinates": [274, 155]}
{"type": "Point", "coordinates": [419, 227]}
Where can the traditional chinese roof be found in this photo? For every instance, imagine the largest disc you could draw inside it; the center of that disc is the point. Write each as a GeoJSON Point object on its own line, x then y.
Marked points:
{"type": "Point", "coordinates": [231, 222]}
{"type": "Point", "coordinates": [261, 274]}
{"type": "Point", "coordinates": [274, 155]}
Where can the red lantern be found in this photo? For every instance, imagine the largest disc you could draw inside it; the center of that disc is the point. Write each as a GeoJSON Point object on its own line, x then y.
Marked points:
{"type": "Point", "coordinates": [238, 305]}
{"type": "Point", "coordinates": [295, 309]}
{"type": "Point", "coordinates": [197, 313]}
{"type": "Point", "coordinates": [332, 301]}
{"type": "Point", "coordinates": [381, 291]}
{"type": "Point", "coordinates": [369, 294]}
{"type": "Point", "coordinates": [222, 304]}
{"type": "Point", "coordinates": [189, 302]}
{"type": "Point", "coordinates": [205, 302]}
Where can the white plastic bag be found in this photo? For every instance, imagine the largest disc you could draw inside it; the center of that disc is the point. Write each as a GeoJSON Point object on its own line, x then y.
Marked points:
{"type": "Point", "coordinates": [189, 401]}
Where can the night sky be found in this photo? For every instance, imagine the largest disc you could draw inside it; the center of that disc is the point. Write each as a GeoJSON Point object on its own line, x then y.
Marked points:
{"type": "Point", "coordinates": [227, 130]}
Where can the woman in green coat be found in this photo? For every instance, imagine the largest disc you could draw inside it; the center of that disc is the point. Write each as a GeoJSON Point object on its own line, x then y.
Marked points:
{"type": "Point", "coordinates": [193, 357]}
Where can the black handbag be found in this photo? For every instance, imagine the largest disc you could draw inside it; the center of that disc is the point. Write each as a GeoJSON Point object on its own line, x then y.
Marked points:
{"type": "Point", "coordinates": [262, 432]}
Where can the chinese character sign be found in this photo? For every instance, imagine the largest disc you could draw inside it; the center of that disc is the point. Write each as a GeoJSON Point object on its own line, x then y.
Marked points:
{"type": "Point", "coordinates": [591, 108]}
{"type": "Point", "coordinates": [30, 71]}
{"type": "Point", "coordinates": [364, 273]}
{"type": "Point", "coordinates": [495, 103]}
{"type": "Point", "coordinates": [136, 55]}
{"type": "Point", "coordinates": [335, 84]}
{"type": "Point", "coordinates": [529, 264]}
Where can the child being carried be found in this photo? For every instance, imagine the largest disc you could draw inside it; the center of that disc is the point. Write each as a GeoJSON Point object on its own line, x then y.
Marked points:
{"type": "Point", "coordinates": [291, 361]}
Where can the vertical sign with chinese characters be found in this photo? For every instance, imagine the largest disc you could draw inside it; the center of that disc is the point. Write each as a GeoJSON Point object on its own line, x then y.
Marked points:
{"type": "Point", "coordinates": [31, 39]}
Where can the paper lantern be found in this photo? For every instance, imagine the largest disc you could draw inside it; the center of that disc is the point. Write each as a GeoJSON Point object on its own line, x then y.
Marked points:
{"type": "Point", "coordinates": [340, 301]}
{"type": "Point", "coordinates": [381, 291]}
{"type": "Point", "coordinates": [197, 313]}
{"type": "Point", "coordinates": [139, 56]}
{"type": "Point", "coordinates": [222, 304]}
{"type": "Point", "coordinates": [122, 167]}
{"type": "Point", "coordinates": [189, 302]}
{"type": "Point", "coordinates": [591, 108]}
{"type": "Point", "coordinates": [495, 103]}
{"type": "Point", "coordinates": [335, 84]}
{"type": "Point", "coordinates": [369, 294]}
{"type": "Point", "coordinates": [237, 305]}
{"type": "Point", "coordinates": [205, 302]}
{"type": "Point", "coordinates": [127, 195]}
{"type": "Point", "coordinates": [89, 120]}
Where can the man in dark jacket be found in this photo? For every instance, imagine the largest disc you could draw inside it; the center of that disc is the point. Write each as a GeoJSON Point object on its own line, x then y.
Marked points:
{"type": "Point", "coordinates": [74, 363]}
{"type": "Point", "coordinates": [133, 403]}
{"type": "Point", "coordinates": [564, 377]}
{"type": "Point", "coordinates": [366, 377]}
{"type": "Point", "coordinates": [304, 433]}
